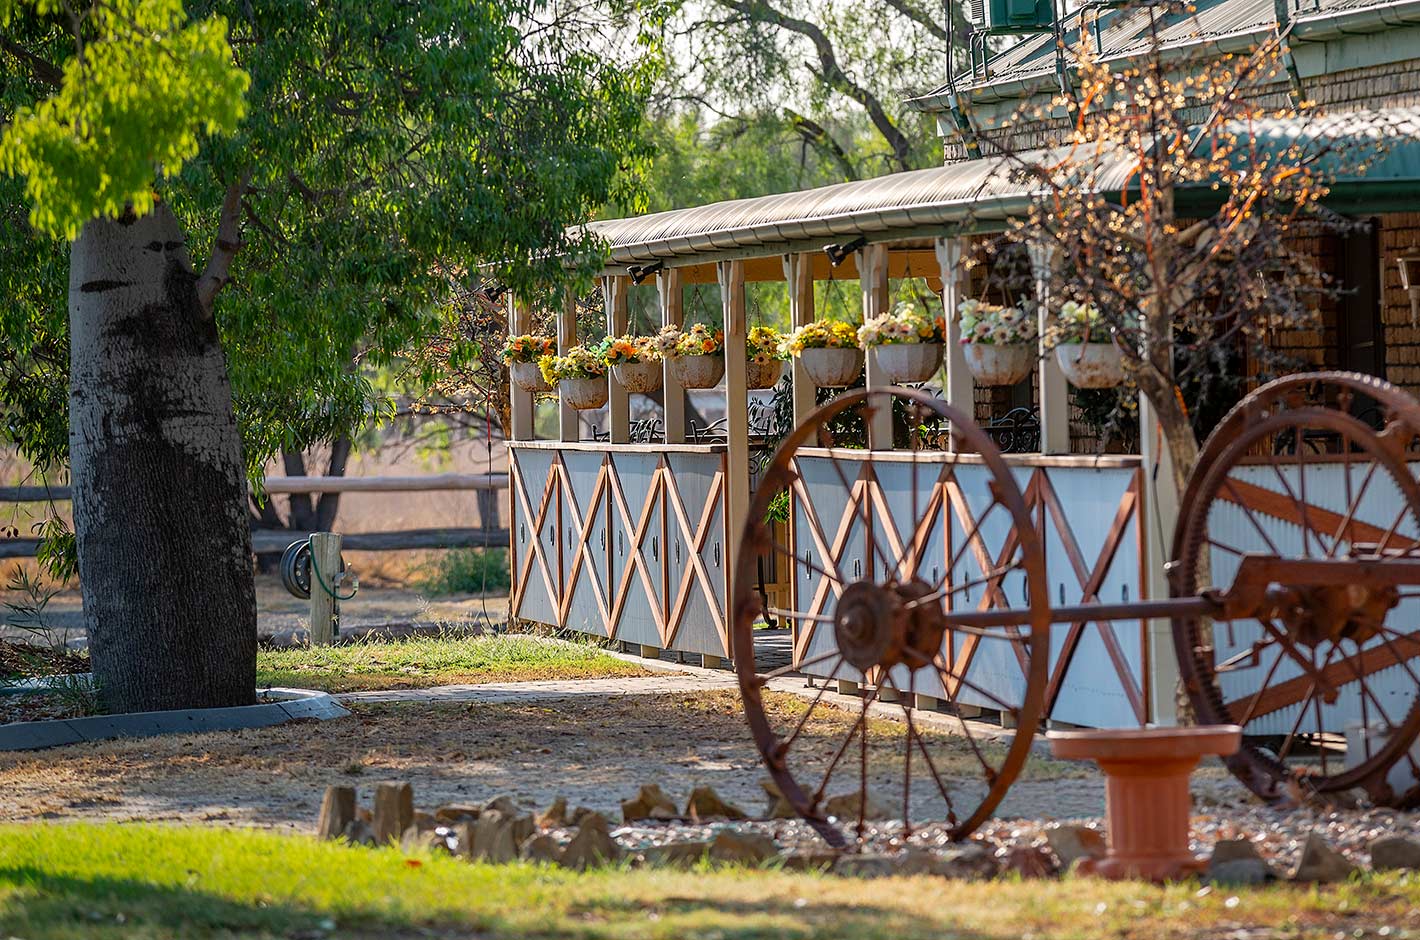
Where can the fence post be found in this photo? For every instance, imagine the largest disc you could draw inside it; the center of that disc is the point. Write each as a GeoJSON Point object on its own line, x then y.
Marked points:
{"type": "Point", "coordinates": [325, 572]}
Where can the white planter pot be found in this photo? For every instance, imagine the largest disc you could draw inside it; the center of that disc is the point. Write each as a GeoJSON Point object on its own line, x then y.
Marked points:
{"type": "Point", "coordinates": [999, 365]}
{"type": "Point", "coordinates": [832, 368]}
{"type": "Point", "coordinates": [760, 375]}
{"type": "Point", "coordinates": [1090, 365]}
{"type": "Point", "coordinates": [584, 394]}
{"type": "Point", "coordinates": [909, 363]}
{"type": "Point", "coordinates": [528, 377]}
{"type": "Point", "coordinates": [640, 377]}
{"type": "Point", "coordinates": [699, 371]}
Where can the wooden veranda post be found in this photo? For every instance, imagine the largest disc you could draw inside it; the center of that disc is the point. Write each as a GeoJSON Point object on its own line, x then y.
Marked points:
{"type": "Point", "coordinates": [960, 386]}
{"type": "Point", "coordinates": [521, 404]}
{"type": "Point", "coordinates": [614, 290]}
{"type": "Point", "coordinates": [799, 273]}
{"type": "Point", "coordinates": [672, 297]}
{"type": "Point", "coordinates": [732, 293]}
{"type": "Point", "coordinates": [569, 422]}
{"type": "Point", "coordinates": [1157, 515]}
{"type": "Point", "coordinates": [1054, 390]}
{"type": "Point", "coordinates": [873, 276]}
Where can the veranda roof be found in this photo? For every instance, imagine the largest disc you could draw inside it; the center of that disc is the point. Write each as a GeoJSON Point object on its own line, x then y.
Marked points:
{"type": "Point", "coordinates": [973, 195]}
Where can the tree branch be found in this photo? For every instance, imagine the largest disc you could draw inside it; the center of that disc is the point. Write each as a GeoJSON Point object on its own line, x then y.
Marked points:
{"type": "Point", "coordinates": [928, 23]}
{"type": "Point", "coordinates": [832, 73]}
{"type": "Point", "coordinates": [229, 232]}
{"type": "Point", "coordinates": [818, 137]}
{"type": "Point", "coordinates": [42, 69]}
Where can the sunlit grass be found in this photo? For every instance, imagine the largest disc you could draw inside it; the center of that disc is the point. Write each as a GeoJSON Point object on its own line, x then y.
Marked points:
{"type": "Point", "coordinates": [421, 662]}
{"type": "Point", "coordinates": [131, 882]}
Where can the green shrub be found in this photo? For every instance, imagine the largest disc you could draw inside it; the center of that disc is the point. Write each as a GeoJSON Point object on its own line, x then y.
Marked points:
{"type": "Point", "coordinates": [468, 571]}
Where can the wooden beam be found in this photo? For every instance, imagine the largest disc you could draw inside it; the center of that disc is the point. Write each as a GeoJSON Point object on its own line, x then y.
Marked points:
{"type": "Point", "coordinates": [732, 292]}
{"type": "Point", "coordinates": [960, 386]}
{"type": "Point", "coordinates": [569, 421]}
{"type": "Point", "coordinates": [873, 277]}
{"type": "Point", "coordinates": [390, 484]}
{"type": "Point", "coordinates": [1054, 390]}
{"type": "Point", "coordinates": [671, 290]}
{"type": "Point", "coordinates": [614, 291]}
{"type": "Point", "coordinates": [920, 261]}
{"type": "Point", "coordinates": [283, 485]}
{"type": "Point", "coordinates": [798, 271]}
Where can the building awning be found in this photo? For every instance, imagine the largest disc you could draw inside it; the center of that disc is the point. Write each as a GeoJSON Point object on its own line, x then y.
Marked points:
{"type": "Point", "coordinates": [972, 195]}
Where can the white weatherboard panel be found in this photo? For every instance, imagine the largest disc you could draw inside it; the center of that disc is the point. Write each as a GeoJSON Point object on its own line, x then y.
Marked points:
{"type": "Point", "coordinates": [584, 614]}
{"type": "Point", "coordinates": [693, 475]}
{"type": "Point", "coordinates": [637, 623]}
{"type": "Point", "coordinates": [1093, 692]}
{"type": "Point", "coordinates": [538, 605]}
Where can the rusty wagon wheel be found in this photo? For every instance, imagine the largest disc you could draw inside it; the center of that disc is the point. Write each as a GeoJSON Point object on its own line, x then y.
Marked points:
{"type": "Point", "coordinates": [883, 545]}
{"type": "Point", "coordinates": [1299, 503]}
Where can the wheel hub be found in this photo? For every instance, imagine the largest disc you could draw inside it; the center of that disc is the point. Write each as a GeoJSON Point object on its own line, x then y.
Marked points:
{"type": "Point", "coordinates": [1318, 614]}
{"type": "Point", "coordinates": [885, 625]}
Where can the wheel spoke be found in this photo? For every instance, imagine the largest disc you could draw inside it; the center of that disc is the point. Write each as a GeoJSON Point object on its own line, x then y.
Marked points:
{"type": "Point", "coordinates": [1352, 503]}
{"type": "Point", "coordinates": [786, 743]}
{"type": "Point", "coordinates": [860, 724]}
{"type": "Point", "coordinates": [769, 677]}
{"type": "Point", "coordinates": [1238, 500]}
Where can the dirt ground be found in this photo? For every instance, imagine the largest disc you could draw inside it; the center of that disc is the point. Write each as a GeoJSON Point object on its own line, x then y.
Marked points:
{"type": "Point", "coordinates": [593, 752]}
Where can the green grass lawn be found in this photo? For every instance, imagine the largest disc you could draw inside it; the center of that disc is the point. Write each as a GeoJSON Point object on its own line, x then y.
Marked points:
{"type": "Point", "coordinates": [145, 881]}
{"type": "Point", "coordinates": [421, 662]}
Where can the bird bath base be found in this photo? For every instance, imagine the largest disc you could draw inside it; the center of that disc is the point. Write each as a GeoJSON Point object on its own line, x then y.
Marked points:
{"type": "Point", "coordinates": [1147, 801]}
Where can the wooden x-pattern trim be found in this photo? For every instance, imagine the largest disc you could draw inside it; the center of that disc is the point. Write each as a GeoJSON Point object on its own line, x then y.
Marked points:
{"type": "Point", "coordinates": [908, 556]}
{"type": "Point", "coordinates": [991, 595]}
{"type": "Point", "coordinates": [584, 528]}
{"type": "Point", "coordinates": [535, 542]}
{"type": "Point", "coordinates": [1090, 581]}
{"type": "Point", "coordinates": [855, 509]}
{"type": "Point", "coordinates": [636, 561]}
{"type": "Point", "coordinates": [695, 539]}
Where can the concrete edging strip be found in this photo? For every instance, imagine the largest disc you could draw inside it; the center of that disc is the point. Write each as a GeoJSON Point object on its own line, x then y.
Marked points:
{"type": "Point", "coordinates": [281, 706]}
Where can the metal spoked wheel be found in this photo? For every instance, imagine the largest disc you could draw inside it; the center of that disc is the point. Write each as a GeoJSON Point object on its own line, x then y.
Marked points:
{"type": "Point", "coordinates": [1297, 495]}
{"type": "Point", "coordinates": [296, 568]}
{"type": "Point", "coordinates": [883, 545]}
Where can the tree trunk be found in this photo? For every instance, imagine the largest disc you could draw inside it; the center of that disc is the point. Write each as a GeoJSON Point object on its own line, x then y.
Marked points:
{"type": "Point", "coordinates": [160, 496]}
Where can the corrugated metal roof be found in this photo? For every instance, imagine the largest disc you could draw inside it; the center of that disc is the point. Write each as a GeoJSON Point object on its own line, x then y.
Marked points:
{"type": "Point", "coordinates": [878, 209]}
{"type": "Point", "coordinates": [1123, 32]}
{"type": "Point", "coordinates": [1120, 32]}
{"type": "Point", "coordinates": [957, 196]}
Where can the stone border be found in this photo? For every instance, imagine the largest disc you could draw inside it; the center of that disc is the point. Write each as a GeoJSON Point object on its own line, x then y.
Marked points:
{"type": "Point", "coordinates": [282, 705]}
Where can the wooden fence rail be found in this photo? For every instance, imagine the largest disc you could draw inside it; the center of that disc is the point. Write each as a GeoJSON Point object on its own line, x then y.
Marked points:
{"type": "Point", "coordinates": [265, 541]}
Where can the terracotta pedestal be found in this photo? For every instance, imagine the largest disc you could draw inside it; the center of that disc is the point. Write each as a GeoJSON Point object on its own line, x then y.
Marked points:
{"type": "Point", "coordinates": [1147, 802]}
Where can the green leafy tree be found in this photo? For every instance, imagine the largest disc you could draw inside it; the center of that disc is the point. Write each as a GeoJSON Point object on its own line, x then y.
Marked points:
{"type": "Point", "coordinates": [342, 165]}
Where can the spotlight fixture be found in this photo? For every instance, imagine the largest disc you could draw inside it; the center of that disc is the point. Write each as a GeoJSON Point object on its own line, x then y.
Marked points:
{"type": "Point", "coordinates": [837, 254]}
{"type": "Point", "coordinates": [640, 272]}
{"type": "Point", "coordinates": [494, 292]}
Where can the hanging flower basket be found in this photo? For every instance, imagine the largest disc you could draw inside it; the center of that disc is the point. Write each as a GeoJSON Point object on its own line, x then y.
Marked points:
{"type": "Point", "coordinates": [699, 371]}
{"type": "Point", "coordinates": [528, 377]}
{"type": "Point", "coordinates": [1005, 364]}
{"type": "Point", "coordinates": [762, 375]}
{"type": "Point", "coordinates": [909, 363]}
{"type": "Point", "coordinates": [1091, 365]}
{"type": "Point", "coordinates": [832, 367]}
{"type": "Point", "coordinates": [584, 394]}
{"type": "Point", "coordinates": [643, 377]}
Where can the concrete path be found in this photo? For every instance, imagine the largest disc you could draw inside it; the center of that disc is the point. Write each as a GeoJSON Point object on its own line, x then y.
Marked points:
{"type": "Point", "coordinates": [672, 679]}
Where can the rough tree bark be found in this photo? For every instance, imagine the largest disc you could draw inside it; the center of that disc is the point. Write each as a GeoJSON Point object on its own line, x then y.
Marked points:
{"type": "Point", "coordinates": [164, 544]}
